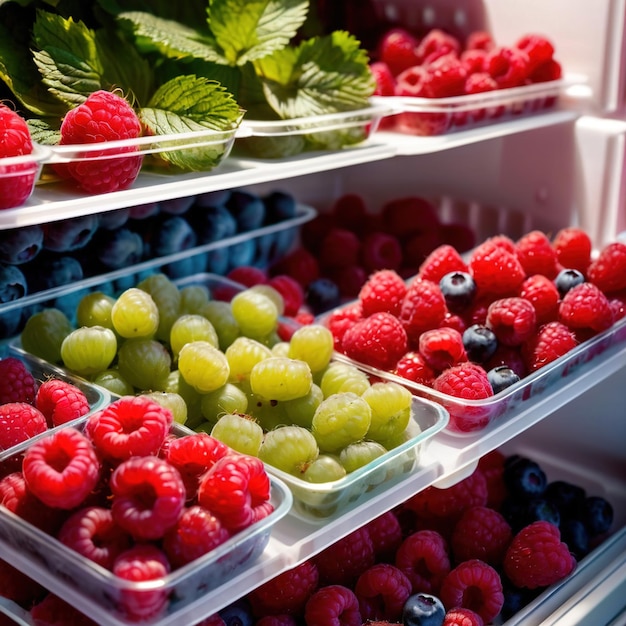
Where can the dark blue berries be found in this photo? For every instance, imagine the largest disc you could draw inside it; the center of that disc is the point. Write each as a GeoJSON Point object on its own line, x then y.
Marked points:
{"type": "Point", "coordinates": [524, 478]}
{"type": "Point", "coordinates": [322, 294]}
{"type": "Point", "coordinates": [567, 279]}
{"type": "Point", "coordinates": [501, 377]}
{"type": "Point", "coordinates": [458, 289]}
{"type": "Point", "coordinates": [480, 343]}
{"type": "Point", "coordinates": [423, 609]}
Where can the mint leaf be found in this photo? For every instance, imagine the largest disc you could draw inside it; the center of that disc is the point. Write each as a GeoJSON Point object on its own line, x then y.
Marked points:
{"type": "Point", "coordinates": [251, 29]}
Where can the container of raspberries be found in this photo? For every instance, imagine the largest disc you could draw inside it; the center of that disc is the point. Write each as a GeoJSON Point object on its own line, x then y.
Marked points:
{"type": "Point", "coordinates": [132, 517]}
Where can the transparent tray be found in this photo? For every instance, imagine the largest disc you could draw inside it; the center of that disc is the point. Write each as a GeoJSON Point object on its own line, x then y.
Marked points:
{"type": "Point", "coordinates": [19, 175]}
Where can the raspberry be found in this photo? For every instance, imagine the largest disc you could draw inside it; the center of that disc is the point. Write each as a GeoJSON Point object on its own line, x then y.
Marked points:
{"type": "Point", "coordinates": [495, 269]}
{"type": "Point", "coordinates": [291, 291]}
{"type": "Point", "coordinates": [491, 465]}
{"type": "Point", "coordinates": [585, 310]}
{"type": "Point", "coordinates": [442, 348]}
{"type": "Point", "coordinates": [423, 558]}
{"type": "Point", "coordinates": [454, 321]}
{"type": "Point", "coordinates": [350, 280]}
{"type": "Point", "coordinates": [479, 40]}
{"type": "Point", "coordinates": [350, 211]}
{"type": "Point", "coordinates": [398, 49]}
{"type": "Point", "coordinates": [287, 593]}
{"type": "Point", "coordinates": [409, 215]}
{"type": "Point", "coordinates": [413, 367]}
{"type": "Point", "coordinates": [61, 469]}
{"type": "Point", "coordinates": [608, 271]}
{"type": "Point", "coordinates": [550, 70]}
{"type": "Point", "coordinates": [19, 421]}
{"type": "Point", "coordinates": [104, 116]}
{"type": "Point", "coordinates": [346, 559]}
{"type": "Point", "coordinates": [423, 308]}
{"type": "Point", "coordinates": [552, 341]}
{"type": "Point", "coordinates": [92, 532]}
{"type": "Point", "coordinates": [481, 533]}
{"type": "Point", "coordinates": [382, 591]}
{"type": "Point", "coordinates": [513, 320]}
{"type": "Point", "coordinates": [536, 254]}
{"type": "Point", "coordinates": [447, 76]}
{"type": "Point", "coordinates": [435, 44]}
{"type": "Point", "coordinates": [17, 384]}
{"type": "Point", "coordinates": [380, 251]}
{"type": "Point", "coordinates": [17, 586]}
{"type": "Point", "coordinates": [248, 275]}
{"type": "Point", "coordinates": [275, 620]}
{"type": "Point", "coordinates": [441, 261]}
{"type": "Point", "coordinates": [543, 294]}
{"type": "Point", "coordinates": [473, 585]}
{"type": "Point", "coordinates": [617, 302]}
{"type": "Point", "coordinates": [148, 496]}
{"type": "Point", "coordinates": [383, 291]}
{"type": "Point", "coordinates": [237, 490]}
{"type": "Point", "coordinates": [340, 320]}
{"type": "Point", "coordinates": [385, 81]}
{"type": "Point", "coordinates": [538, 48]}
{"type": "Point", "coordinates": [460, 236]}
{"type": "Point", "coordinates": [465, 380]}
{"type": "Point", "coordinates": [339, 248]}
{"type": "Point", "coordinates": [54, 611]}
{"type": "Point", "coordinates": [385, 532]}
{"type": "Point", "coordinates": [130, 426]}
{"type": "Point", "coordinates": [479, 82]}
{"type": "Point", "coordinates": [507, 66]}
{"type": "Point", "coordinates": [61, 401]}
{"type": "Point", "coordinates": [510, 357]}
{"type": "Point", "coordinates": [299, 264]}
{"type": "Point", "coordinates": [537, 557]}
{"type": "Point", "coordinates": [573, 248]}
{"type": "Point", "coordinates": [379, 340]}
{"type": "Point", "coordinates": [333, 604]}
{"type": "Point", "coordinates": [196, 533]}
{"type": "Point", "coordinates": [462, 617]}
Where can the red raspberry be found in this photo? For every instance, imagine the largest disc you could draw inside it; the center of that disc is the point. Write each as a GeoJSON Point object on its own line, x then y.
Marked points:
{"type": "Point", "coordinates": [418, 246]}
{"type": "Point", "coordinates": [385, 81]}
{"type": "Point", "coordinates": [413, 367]}
{"type": "Point", "coordinates": [17, 384]}
{"type": "Point", "coordinates": [237, 490]}
{"type": "Point", "coordinates": [248, 275]}
{"type": "Point", "coordinates": [380, 251]}
{"type": "Point", "coordinates": [465, 380]}
{"type": "Point", "coordinates": [423, 558]}
{"type": "Point", "coordinates": [462, 617]}
{"type": "Point", "coordinates": [92, 532]}
{"type": "Point", "coordinates": [536, 254]}
{"type": "Point", "coordinates": [275, 620]}
{"type": "Point", "coordinates": [507, 66]}
{"type": "Point", "coordinates": [130, 426]}
{"type": "Point", "coordinates": [573, 248]}
{"type": "Point", "coordinates": [104, 116]}
{"type": "Point", "coordinates": [340, 320]}
{"type": "Point", "coordinates": [291, 291]}
{"type": "Point", "coordinates": [339, 248]}
{"type": "Point", "coordinates": [436, 44]}
{"type": "Point", "coordinates": [474, 63]}
{"type": "Point", "coordinates": [148, 496]}
{"type": "Point", "coordinates": [382, 591]}
{"type": "Point", "coordinates": [346, 559]}
{"type": "Point", "coordinates": [479, 40]}
{"type": "Point", "coordinates": [550, 70]}
{"type": "Point", "coordinates": [509, 356]}
{"type": "Point", "coordinates": [479, 82]}
{"type": "Point", "coordinates": [441, 261]}
{"type": "Point", "coordinates": [379, 340]}
{"type": "Point", "coordinates": [495, 269]}
{"type": "Point", "coordinates": [17, 586]}
{"type": "Point", "coordinates": [542, 293]}
{"type": "Point", "coordinates": [442, 348]}
{"type": "Point", "coordinates": [196, 533]}
{"type": "Point", "coordinates": [61, 469]}
{"type": "Point", "coordinates": [423, 308]}
{"type": "Point", "coordinates": [333, 604]}
{"type": "Point", "coordinates": [538, 48]}
{"type": "Point", "coordinates": [61, 401]}
{"type": "Point", "coordinates": [537, 557]}
{"type": "Point", "coordinates": [19, 421]}
{"type": "Point", "coordinates": [350, 211]}
{"type": "Point", "coordinates": [617, 302]}
{"type": "Point", "coordinates": [54, 611]}
{"type": "Point", "coordinates": [447, 76]}
{"type": "Point", "coordinates": [473, 585]}
{"type": "Point", "coordinates": [491, 465]}
{"type": "Point", "coordinates": [287, 593]}
{"type": "Point", "coordinates": [513, 320]}
{"type": "Point", "coordinates": [398, 49]}
{"type": "Point", "coordinates": [409, 215]}
{"type": "Point", "coordinates": [299, 264]}
{"type": "Point", "coordinates": [385, 532]}
{"type": "Point", "coordinates": [585, 310]}
{"type": "Point", "coordinates": [552, 341]}
{"type": "Point", "coordinates": [608, 271]}
{"type": "Point", "coordinates": [454, 321]}
{"type": "Point", "coordinates": [142, 562]}
{"type": "Point", "coordinates": [481, 533]}
{"type": "Point", "coordinates": [383, 291]}
{"type": "Point", "coordinates": [350, 280]}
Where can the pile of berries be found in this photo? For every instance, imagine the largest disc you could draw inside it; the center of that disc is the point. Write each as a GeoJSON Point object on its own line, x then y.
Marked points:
{"type": "Point", "coordinates": [126, 493]}
{"type": "Point", "coordinates": [470, 327]}
{"type": "Point", "coordinates": [440, 65]}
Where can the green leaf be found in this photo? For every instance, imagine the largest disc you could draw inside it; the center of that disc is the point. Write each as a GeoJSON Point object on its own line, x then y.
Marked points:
{"type": "Point", "coordinates": [44, 131]}
{"type": "Point", "coordinates": [247, 30]}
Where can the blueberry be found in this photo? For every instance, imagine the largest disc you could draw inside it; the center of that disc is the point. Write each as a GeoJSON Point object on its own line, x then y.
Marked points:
{"type": "Point", "coordinates": [188, 266]}
{"type": "Point", "coordinates": [596, 515]}
{"type": "Point", "coordinates": [238, 613]}
{"type": "Point", "coordinates": [566, 279]}
{"type": "Point", "coordinates": [576, 536]}
{"type": "Point", "coordinates": [213, 223]}
{"type": "Point", "coordinates": [10, 323]}
{"type": "Point", "coordinates": [480, 343]}
{"type": "Point", "coordinates": [322, 294]}
{"type": "Point", "coordinates": [217, 261]}
{"type": "Point", "coordinates": [213, 198]}
{"type": "Point", "coordinates": [71, 234]}
{"type": "Point", "coordinates": [423, 609]}
{"type": "Point", "coordinates": [114, 219]}
{"type": "Point", "coordinates": [458, 289]}
{"type": "Point", "coordinates": [20, 245]}
{"type": "Point", "coordinates": [173, 234]}
{"type": "Point", "coordinates": [247, 209]}
{"type": "Point", "coordinates": [515, 598]}
{"type": "Point", "coordinates": [279, 206]}
{"type": "Point", "coordinates": [49, 271]}
{"type": "Point", "coordinates": [501, 377]}
{"type": "Point", "coordinates": [119, 248]}
{"type": "Point", "coordinates": [540, 509]}
{"type": "Point", "coordinates": [241, 253]}
{"type": "Point", "coordinates": [177, 206]}
{"type": "Point", "coordinates": [524, 478]}
{"type": "Point", "coordinates": [567, 496]}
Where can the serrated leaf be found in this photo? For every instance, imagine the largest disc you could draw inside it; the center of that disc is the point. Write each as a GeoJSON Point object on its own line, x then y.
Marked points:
{"type": "Point", "coordinates": [247, 30]}
{"type": "Point", "coordinates": [45, 132]}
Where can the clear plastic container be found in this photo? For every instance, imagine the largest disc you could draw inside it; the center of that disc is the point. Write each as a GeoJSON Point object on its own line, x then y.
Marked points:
{"type": "Point", "coordinates": [19, 175]}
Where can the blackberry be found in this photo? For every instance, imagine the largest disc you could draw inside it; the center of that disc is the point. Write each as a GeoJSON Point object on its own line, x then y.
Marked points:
{"type": "Point", "coordinates": [596, 515]}
{"type": "Point", "coordinates": [480, 343]}
{"type": "Point", "coordinates": [524, 478]}
{"type": "Point", "coordinates": [458, 289]}
{"type": "Point", "coordinates": [423, 609]}
{"type": "Point", "coordinates": [501, 377]}
{"type": "Point", "coordinates": [567, 279]}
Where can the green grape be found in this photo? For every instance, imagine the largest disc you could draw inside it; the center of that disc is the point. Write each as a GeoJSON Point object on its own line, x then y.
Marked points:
{"type": "Point", "coordinates": [359, 454]}
{"type": "Point", "coordinates": [166, 295]}
{"type": "Point", "coordinates": [289, 448]}
{"type": "Point", "coordinates": [177, 384]}
{"type": "Point", "coordinates": [273, 295]}
{"type": "Point", "coordinates": [239, 432]}
{"type": "Point", "coordinates": [113, 381]}
{"type": "Point", "coordinates": [193, 298]}
{"type": "Point", "coordinates": [301, 410]}
{"type": "Point", "coordinates": [135, 314]}
{"type": "Point", "coordinates": [172, 401]}
{"type": "Point", "coordinates": [221, 316]}
{"type": "Point", "coordinates": [280, 348]}
{"type": "Point", "coordinates": [280, 378]}
{"type": "Point", "coordinates": [313, 344]}
{"type": "Point", "coordinates": [227, 399]}
{"type": "Point", "coordinates": [341, 377]}
{"type": "Point", "coordinates": [44, 333]}
{"type": "Point", "coordinates": [325, 469]}
{"type": "Point", "coordinates": [203, 366]}
{"type": "Point", "coordinates": [144, 363]}
{"type": "Point", "coordinates": [242, 355]}
{"type": "Point", "coordinates": [391, 410]}
{"type": "Point", "coordinates": [89, 350]}
{"type": "Point", "coordinates": [191, 327]}
{"type": "Point", "coordinates": [94, 309]}
{"type": "Point", "coordinates": [255, 313]}
{"type": "Point", "coordinates": [341, 419]}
